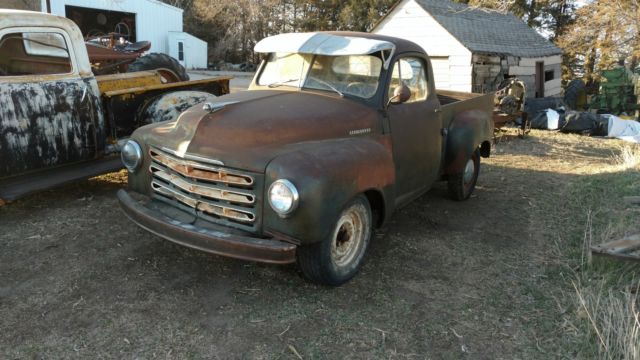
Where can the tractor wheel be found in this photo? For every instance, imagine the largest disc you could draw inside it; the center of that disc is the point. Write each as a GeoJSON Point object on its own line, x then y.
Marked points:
{"type": "Point", "coordinates": [575, 95]}
{"type": "Point", "coordinates": [168, 67]}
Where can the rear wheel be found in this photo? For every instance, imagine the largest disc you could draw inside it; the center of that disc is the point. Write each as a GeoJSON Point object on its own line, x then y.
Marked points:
{"type": "Point", "coordinates": [338, 258]}
{"type": "Point", "coordinates": [168, 67]}
{"type": "Point", "coordinates": [461, 185]}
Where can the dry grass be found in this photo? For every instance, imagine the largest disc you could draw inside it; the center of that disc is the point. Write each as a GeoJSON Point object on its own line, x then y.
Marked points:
{"type": "Point", "coordinates": [604, 293]}
{"type": "Point", "coordinates": [629, 157]}
{"type": "Point", "coordinates": [613, 317]}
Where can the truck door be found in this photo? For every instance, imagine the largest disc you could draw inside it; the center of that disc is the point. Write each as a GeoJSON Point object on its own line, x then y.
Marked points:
{"type": "Point", "coordinates": [47, 110]}
{"type": "Point", "coordinates": [415, 130]}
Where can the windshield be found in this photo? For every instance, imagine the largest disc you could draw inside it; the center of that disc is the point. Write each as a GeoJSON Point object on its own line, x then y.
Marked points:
{"type": "Point", "coordinates": [355, 75]}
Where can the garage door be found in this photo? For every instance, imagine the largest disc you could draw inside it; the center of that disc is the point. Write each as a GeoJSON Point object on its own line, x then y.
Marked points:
{"type": "Point", "coordinates": [441, 71]}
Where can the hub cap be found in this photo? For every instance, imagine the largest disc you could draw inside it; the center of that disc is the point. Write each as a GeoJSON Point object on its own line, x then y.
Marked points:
{"type": "Point", "coordinates": [469, 170]}
{"type": "Point", "coordinates": [348, 236]}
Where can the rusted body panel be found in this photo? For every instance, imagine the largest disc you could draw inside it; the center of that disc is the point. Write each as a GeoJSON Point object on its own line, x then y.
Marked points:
{"type": "Point", "coordinates": [273, 117]}
{"type": "Point", "coordinates": [48, 124]}
{"type": "Point", "coordinates": [138, 79]}
{"type": "Point", "coordinates": [329, 173]}
{"type": "Point", "coordinates": [332, 148]}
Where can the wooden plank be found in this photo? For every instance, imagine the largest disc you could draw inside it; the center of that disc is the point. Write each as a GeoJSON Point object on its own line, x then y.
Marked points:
{"type": "Point", "coordinates": [633, 200]}
{"type": "Point", "coordinates": [626, 249]}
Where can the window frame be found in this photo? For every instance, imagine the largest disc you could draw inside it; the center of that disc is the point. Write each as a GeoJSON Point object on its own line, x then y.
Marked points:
{"type": "Point", "coordinates": [425, 69]}
{"type": "Point", "coordinates": [55, 76]}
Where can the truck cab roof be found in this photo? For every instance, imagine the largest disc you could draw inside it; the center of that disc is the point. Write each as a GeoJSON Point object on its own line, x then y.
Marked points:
{"type": "Point", "coordinates": [336, 43]}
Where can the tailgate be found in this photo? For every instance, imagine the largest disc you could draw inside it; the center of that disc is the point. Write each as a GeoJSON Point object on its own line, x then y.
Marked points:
{"type": "Point", "coordinates": [455, 102]}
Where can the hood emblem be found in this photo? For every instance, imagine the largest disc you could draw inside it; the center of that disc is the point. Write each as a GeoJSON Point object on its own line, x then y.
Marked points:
{"type": "Point", "coordinates": [211, 107]}
{"type": "Point", "coordinates": [360, 131]}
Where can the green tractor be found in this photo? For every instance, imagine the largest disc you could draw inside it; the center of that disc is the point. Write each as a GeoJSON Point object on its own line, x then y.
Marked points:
{"type": "Point", "coordinates": [618, 93]}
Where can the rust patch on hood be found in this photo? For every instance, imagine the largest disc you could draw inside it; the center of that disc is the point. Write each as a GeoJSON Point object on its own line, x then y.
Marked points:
{"type": "Point", "coordinates": [255, 126]}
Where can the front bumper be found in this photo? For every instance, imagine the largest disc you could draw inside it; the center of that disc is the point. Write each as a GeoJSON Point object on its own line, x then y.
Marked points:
{"type": "Point", "coordinates": [219, 242]}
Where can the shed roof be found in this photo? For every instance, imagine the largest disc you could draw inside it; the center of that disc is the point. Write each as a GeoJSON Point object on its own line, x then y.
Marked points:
{"type": "Point", "coordinates": [489, 32]}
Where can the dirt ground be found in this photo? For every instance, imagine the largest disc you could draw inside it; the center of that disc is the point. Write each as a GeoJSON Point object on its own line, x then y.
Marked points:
{"type": "Point", "coordinates": [443, 280]}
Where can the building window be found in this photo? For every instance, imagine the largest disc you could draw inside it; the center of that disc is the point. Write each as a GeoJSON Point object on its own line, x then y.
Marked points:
{"type": "Point", "coordinates": [549, 75]}
{"type": "Point", "coordinates": [180, 51]}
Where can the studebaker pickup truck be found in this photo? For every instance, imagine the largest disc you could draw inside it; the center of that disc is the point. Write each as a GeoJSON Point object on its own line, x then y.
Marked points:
{"type": "Point", "coordinates": [59, 122]}
{"type": "Point", "coordinates": [336, 132]}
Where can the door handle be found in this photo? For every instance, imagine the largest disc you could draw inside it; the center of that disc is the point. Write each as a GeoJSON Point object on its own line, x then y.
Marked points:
{"type": "Point", "coordinates": [437, 111]}
{"type": "Point", "coordinates": [84, 92]}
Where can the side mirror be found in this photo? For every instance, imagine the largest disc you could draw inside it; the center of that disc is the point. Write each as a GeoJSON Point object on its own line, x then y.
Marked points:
{"type": "Point", "coordinates": [400, 95]}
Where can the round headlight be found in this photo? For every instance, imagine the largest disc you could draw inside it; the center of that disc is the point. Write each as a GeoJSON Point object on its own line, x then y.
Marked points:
{"type": "Point", "coordinates": [131, 155]}
{"type": "Point", "coordinates": [283, 197]}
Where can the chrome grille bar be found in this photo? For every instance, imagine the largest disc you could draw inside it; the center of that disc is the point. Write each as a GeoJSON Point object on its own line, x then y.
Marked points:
{"type": "Point", "coordinates": [220, 193]}
{"type": "Point", "coordinates": [200, 171]}
{"type": "Point", "coordinates": [205, 206]}
{"type": "Point", "coordinates": [202, 189]}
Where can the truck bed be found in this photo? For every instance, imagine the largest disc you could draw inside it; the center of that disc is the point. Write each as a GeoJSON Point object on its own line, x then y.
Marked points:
{"type": "Point", "coordinates": [454, 102]}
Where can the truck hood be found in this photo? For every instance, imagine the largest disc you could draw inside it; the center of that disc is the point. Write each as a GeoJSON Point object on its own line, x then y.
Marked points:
{"type": "Point", "coordinates": [248, 129]}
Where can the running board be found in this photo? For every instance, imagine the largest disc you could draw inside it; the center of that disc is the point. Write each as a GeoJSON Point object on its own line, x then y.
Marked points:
{"type": "Point", "coordinates": [19, 186]}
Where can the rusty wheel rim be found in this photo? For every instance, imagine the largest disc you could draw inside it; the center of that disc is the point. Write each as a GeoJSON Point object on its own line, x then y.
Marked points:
{"type": "Point", "coordinates": [348, 236]}
{"type": "Point", "coordinates": [168, 76]}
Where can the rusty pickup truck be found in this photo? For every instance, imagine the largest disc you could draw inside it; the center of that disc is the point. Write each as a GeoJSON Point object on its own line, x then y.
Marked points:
{"type": "Point", "coordinates": [336, 132]}
{"type": "Point", "coordinates": [59, 122]}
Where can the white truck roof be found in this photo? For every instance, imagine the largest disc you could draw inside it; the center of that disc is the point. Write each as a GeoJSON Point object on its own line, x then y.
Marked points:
{"type": "Point", "coordinates": [318, 43]}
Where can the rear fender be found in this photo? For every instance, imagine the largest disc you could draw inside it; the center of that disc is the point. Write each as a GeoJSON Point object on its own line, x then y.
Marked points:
{"type": "Point", "coordinates": [468, 131]}
{"type": "Point", "coordinates": [327, 175]}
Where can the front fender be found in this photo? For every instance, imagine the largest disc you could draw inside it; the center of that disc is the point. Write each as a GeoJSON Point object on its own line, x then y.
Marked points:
{"type": "Point", "coordinates": [327, 175]}
{"type": "Point", "coordinates": [468, 131]}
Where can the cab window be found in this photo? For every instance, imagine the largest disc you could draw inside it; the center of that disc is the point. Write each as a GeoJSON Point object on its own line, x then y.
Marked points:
{"type": "Point", "coordinates": [411, 72]}
{"type": "Point", "coordinates": [34, 53]}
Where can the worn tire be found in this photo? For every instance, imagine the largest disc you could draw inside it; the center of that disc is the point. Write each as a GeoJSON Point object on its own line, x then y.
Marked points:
{"type": "Point", "coordinates": [461, 185]}
{"type": "Point", "coordinates": [157, 61]}
{"type": "Point", "coordinates": [336, 259]}
{"type": "Point", "coordinates": [575, 95]}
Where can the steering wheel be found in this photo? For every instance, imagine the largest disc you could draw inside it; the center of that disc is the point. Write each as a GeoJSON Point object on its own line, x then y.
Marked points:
{"type": "Point", "coordinates": [122, 29]}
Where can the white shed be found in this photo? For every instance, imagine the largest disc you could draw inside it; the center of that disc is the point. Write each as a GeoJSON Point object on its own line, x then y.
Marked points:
{"type": "Point", "coordinates": [475, 49]}
{"type": "Point", "coordinates": [181, 44]}
{"type": "Point", "coordinates": [149, 20]}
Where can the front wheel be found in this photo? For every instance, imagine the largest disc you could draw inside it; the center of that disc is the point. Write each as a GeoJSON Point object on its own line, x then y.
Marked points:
{"type": "Point", "coordinates": [462, 185]}
{"type": "Point", "coordinates": [338, 258]}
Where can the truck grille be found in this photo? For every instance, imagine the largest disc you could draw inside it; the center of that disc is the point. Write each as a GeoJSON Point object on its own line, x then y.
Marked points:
{"type": "Point", "coordinates": [215, 193]}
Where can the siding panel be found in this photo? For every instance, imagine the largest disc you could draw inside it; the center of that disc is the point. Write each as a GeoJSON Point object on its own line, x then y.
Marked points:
{"type": "Point", "coordinates": [409, 21]}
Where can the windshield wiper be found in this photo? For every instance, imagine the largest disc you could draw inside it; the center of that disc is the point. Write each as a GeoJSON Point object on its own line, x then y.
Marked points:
{"type": "Point", "coordinates": [327, 85]}
{"type": "Point", "coordinates": [280, 83]}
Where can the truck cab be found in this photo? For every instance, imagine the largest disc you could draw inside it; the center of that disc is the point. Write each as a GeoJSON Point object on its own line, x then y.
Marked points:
{"type": "Point", "coordinates": [336, 132]}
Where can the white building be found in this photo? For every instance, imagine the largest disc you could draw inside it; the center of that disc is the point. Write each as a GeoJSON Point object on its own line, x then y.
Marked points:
{"type": "Point", "coordinates": [139, 20]}
{"type": "Point", "coordinates": [474, 49]}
